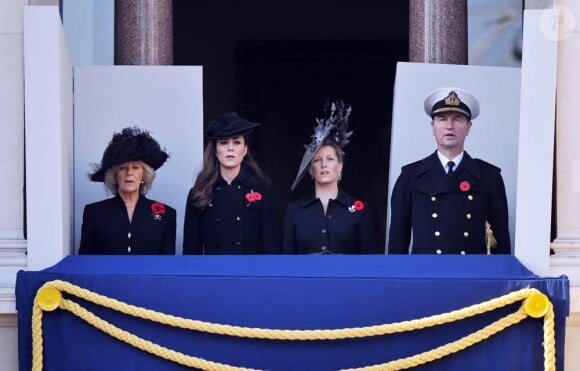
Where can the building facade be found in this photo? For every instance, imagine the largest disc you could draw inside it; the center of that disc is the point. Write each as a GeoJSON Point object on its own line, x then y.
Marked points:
{"type": "Point", "coordinates": [548, 153]}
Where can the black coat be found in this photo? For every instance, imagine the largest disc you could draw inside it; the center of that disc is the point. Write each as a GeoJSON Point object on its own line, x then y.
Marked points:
{"type": "Point", "coordinates": [447, 213]}
{"type": "Point", "coordinates": [232, 224]}
{"type": "Point", "coordinates": [107, 230]}
{"type": "Point", "coordinates": [343, 230]}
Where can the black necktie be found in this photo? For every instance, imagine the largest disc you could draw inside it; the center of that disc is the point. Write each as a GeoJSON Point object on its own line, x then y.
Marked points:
{"type": "Point", "coordinates": [450, 166]}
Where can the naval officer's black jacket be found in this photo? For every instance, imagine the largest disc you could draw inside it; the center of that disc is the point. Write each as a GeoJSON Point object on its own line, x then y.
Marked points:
{"type": "Point", "coordinates": [344, 229]}
{"type": "Point", "coordinates": [232, 224]}
{"type": "Point", "coordinates": [447, 213]}
{"type": "Point", "coordinates": [107, 230]}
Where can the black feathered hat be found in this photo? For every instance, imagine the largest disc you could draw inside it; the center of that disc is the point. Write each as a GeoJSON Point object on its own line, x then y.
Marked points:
{"type": "Point", "coordinates": [334, 128]}
{"type": "Point", "coordinates": [229, 125]}
{"type": "Point", "coordinates": [131, 144]}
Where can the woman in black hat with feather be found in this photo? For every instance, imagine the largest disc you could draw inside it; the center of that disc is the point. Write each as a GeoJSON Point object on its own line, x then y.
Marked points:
{"type": "Point", "coordinates": [328, 221]}
{"type": "Point", "coordinates": [230, 209]}
{"type": "Point", "coordinates": [129, 223]}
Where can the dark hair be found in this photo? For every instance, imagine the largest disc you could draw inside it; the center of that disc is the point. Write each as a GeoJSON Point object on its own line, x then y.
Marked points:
{"type": "Point", "coordinates": [210, 174]}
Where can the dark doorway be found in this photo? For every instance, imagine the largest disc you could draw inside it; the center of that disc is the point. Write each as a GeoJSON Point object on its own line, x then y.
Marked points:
{"type": "Point", "coordinates": [285, 84]}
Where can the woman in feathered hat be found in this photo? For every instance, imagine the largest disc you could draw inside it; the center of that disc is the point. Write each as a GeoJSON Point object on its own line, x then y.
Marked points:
{"type": "Point", "coordinates": [129, 223]}
{"type": "Point", "coordinates": [328, 221]}
{"type": "Point", "coordinates": [230, 209]}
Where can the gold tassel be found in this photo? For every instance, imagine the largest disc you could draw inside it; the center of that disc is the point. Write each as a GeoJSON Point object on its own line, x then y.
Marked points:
{"type": "Point", "coordinates": [490, 240]}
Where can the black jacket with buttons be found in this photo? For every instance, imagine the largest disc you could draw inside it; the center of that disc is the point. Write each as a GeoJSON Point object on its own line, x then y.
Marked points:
{"type": "Point", "coordinates": [232, 224]}
{"type": "Point", "coordinates": [343, 230]}
{"type": "Point", "coordinates": [447, 213]}
{"type": "Point", "coordinates": [106, 228]}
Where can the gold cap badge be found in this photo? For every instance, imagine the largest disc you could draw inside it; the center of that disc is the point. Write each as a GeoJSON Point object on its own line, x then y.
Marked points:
{"type": "Point", "coordinates": [452, 99]}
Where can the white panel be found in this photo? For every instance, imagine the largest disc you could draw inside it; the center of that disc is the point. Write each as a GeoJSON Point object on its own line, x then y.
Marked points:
{"type": "Point", "coordinates": [48, 112]}
{"type": "Point", "coordinates": [493, 136]}
{"type": "Point", "coordinates": [9, 341]}
{"type": "Point", "coordinates": [11, 16]}
{"type": "Point", "coordinates": [166, 100]}
{"type": "Point", "coordinates": [12, 132]}
{"type": "Point", "coordinates": [538, 96]}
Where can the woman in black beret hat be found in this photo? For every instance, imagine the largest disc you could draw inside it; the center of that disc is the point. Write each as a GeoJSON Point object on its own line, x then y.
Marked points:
{"type": "Point", "coordinates": [128, 223]}
{"type": "Point", "coordinates": [328, 220]}
{"type": "Point", "coordinates": [230, 209]}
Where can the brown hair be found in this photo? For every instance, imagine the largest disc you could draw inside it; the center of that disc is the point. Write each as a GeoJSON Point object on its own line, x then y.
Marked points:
{"type": "Point", "coordinates": [210, 174]}
{"type": "Point", "coordinates": [337, 149]}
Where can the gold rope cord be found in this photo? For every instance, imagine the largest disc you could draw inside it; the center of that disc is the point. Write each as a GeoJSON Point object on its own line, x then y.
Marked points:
{"type": "Point", "coordinates": [535, 304]}
{"type": "Point", "coordinates": [450, 348]}
{"type": "Point", "coordinates": [549, 340]}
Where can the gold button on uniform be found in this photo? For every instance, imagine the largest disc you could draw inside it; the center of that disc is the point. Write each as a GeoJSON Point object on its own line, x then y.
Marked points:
{"type": "Point", "coordinates": [434, 215]}
{"type": "Point", "coordinates": [468, 216]}
{"type": "Point", "coordinates": [470, 197]}
{"type": "Point", "coordinates": [438, 251]}
{"type": "Point", "coordinates": [465, 234]}
{"type": "Point", "coordinates": [437, 233]}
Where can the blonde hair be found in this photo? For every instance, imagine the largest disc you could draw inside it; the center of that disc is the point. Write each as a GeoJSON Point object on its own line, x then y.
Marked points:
{"type": "Point", "coordinates": [111, 179]}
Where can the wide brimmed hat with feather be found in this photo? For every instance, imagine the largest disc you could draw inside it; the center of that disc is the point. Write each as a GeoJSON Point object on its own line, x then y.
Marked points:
{"type": "Point", "coordinates": [333, 128]}
{"type": "Point", "coordinates": [131, 144]}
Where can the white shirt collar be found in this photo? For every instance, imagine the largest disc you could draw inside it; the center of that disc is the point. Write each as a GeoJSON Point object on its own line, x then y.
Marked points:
{"type": "Point", "coordinates": [444, 160]}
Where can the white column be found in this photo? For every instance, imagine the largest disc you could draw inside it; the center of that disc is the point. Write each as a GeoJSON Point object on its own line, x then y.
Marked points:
{"type": "Point", "coordinates": [536, 143]}
{"type": "Point", "coordinates": [567, 243]}
{"type": "Point", "coordinates": [568, 130]}
{"type": "Point", "coordinates": [12, 243]}
{"type": "Point", "coordinates": [48, 98]}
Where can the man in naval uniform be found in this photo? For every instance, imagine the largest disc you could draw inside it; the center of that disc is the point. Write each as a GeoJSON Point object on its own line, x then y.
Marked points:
{"type": "Point", "coordinates": [449, 202]}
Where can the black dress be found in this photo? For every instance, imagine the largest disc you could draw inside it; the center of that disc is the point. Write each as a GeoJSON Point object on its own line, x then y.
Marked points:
{"type": "Point", "coordinates": [346, 228]}
{"type": "Point", "coordinates": [241, 219]}
{"type": "Point", "coordinates": [447, 213]}
{"type": "Point", "coordinates": [107, 230]}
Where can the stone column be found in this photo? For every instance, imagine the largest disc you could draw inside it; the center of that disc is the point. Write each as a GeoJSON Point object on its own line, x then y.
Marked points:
{"type": "Point", "coordinates": [438, 31]}
{"type": "Point", "coordinates": [567, 130]}
{"type": "Point", "coordinates": [144, 32]}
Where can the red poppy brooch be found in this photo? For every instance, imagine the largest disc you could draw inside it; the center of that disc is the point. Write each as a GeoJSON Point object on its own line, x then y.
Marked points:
{"type": "Point", "coordinates": [465, 186]}
{"type": "Point", "coordinates": [253, 196]}
{"type": "Point", "coordinates": [356, 206]}
{"type": "Point", "coordinates": [158, 209]}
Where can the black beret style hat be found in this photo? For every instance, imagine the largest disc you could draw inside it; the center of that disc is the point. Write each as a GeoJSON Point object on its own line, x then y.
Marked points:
{"type": "Point", "coordinates": [229, 125]}
{"type": "Point", "coordinates": [131, 144]}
